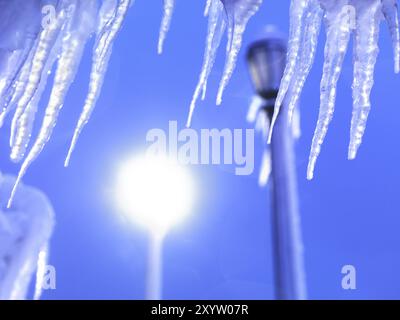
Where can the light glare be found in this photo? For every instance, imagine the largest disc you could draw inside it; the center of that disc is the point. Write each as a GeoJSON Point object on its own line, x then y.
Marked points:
{"type": "Point", "coordinates": [155, 192]}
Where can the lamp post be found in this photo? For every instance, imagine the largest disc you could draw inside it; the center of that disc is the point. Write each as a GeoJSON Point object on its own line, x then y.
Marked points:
{"type": "Point", "coordinates": [266, 60]}
{"type": "Point", "coordinates": [156, 193]}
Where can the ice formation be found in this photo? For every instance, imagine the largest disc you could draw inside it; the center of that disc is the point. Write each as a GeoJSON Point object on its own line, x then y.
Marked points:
{"type": "Point", "coordinates": [165, 23]}
{"type": "Point", "coordinates": [35, 36]}
{"type": "Point", "coordinates": [35, 39]}
{"type": "Point", "coordinates": [232, 15]}
{"type": "Point", "coordinates": [39, 34]}
{"type": "Point", "coordinates": [25, 231]}
{"type": "Point", "coordinates": [342, 18]}
{"type": "Point", "coordinates": [111, 16]}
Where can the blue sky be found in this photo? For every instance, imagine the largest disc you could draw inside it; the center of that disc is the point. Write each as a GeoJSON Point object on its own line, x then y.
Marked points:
{"type": "Point", "coordinates": [350, 213]}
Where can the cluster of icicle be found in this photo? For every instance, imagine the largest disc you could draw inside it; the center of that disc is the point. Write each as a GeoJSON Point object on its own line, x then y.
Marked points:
{"type": "Point", "coordinates": [230, 15]}
{"type": "Point", "coordinates": [29, 50]}
{"type": "Point", "coordinates": [30, 46]}
{"type": "Point", "coordinates": [342, 18]}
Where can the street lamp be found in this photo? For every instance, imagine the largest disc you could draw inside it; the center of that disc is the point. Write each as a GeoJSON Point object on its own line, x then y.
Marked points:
{"type": "Point", "coordinates": [156, 193]}
{"type": "Point", "coordinates": [266, 60]}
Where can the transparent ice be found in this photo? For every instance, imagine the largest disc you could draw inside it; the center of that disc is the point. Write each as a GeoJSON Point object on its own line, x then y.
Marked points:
{"type": "Point", "coordinates": [230, 15]}
{"type": "Point", "coordinates": [342, 18]}
{"type": "Point", "coordinates": [165, 23]}
{"type": "Point", "coordinates": [25, 231]}
{"type": "Point", "coordinates": [32, 42]}
{"type": "Point", "coordinates": [31, 47]}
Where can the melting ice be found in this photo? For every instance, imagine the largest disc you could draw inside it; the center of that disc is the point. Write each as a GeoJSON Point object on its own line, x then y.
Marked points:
{"type": "Point", "coordinates": [37, 35]}
{"type": "Point", "coordinates": [230, 15]}
{"type": "Point", "coordinates": [25, 231]}
{"type": "Point", "coordinates": [165, 23]}
{"type": "Point", "coordinates": [30, 47]}
{"type": "Point", "coordinates": [342, 18]}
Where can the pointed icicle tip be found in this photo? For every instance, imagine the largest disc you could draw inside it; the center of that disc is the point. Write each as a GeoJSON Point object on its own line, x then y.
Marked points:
{"type": "Point", "coordinates": [216, 29]}
{"type": "Point", "coordinates": [238, 13]}
{"type": "Point", "coordinates": [165, 24]}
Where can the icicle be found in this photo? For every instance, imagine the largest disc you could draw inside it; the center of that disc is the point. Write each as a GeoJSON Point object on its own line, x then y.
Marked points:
{"type": "Point", "coordinates": [19, 25]}
{"type": "Point", "coordinates": [73, 43]}
{"type": "Point", "coordinates": [238, 14]}
{"type": "Point", "coordinates": [219, 29]}
{"type": "Point", "coordinates": [10, 84]}
{"type": "Point", "coordinates": [216, 28]}
{"type": "Point", "coordinates": [18, 90]}
{"type": "Point", "coordinates": [25, 229]}
{"type": "Point", "coordinates": [165, 23]}
{"type": "Point", "coordinates": [41, 270]}
{"type": "Point", "coordinates": [9, 60]}
{"type": "Point", "coordinates": [342, 16]}
{"type": "Point", "coordinates": [74, 39]}
{"type": "Point", "coordinates": [24, 119]}
{"type": "Point", "coordinates": [24, 124]}
{"type": "Point", "coordinates": [47, 39]}
{"type": "Point", "coordinates": [366, 51]}
{"type": "Point", "coordinates": [298, 10]}
{"type": "Point", "coordinates": [338, 32]}
{"type": "Point", "coordinates": [16, 62]}
{"type": "Point", "coordinates": [312, 24]}
{"type": "Point", "coordinates": [26, 15]}
{"type": "Point", "coordinates": [207, 8]}
{"type": "Point", "coordinates": [111, 19]}
{"type": "Point", "coordinates": [390, 10]}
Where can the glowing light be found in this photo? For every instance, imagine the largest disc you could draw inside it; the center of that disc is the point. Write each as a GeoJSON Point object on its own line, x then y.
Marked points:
{"type": "Point", "coordinates": [155, 192]}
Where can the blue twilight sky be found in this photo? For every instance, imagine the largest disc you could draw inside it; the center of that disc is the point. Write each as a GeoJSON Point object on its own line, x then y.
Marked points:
{"type": "Point", "coordinates": [350, 211]}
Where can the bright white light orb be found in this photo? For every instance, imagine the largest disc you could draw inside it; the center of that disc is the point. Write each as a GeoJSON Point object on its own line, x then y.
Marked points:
{"type": "Point", "coordinates": [155, 192]}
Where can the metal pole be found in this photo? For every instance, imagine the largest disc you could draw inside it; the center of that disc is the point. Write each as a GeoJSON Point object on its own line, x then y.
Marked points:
{"type": "Point", "coordinates": [287, 239]}
{"type": "Point", "coordinates": [154, 275]}
{"type": "Point", "coordinates": [266, 60]}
